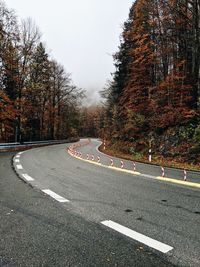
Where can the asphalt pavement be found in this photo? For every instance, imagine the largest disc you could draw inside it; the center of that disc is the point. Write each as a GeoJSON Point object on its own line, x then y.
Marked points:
{"type": "Point", "coordinates": [74, 213]}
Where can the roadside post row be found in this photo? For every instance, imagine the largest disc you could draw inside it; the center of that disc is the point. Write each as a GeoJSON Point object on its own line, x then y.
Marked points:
{"type": "Point", "coordinates": [74, 153]}
{"type": "Point", "coordinates": [91, 159]}
{"type": "Point", "coordinates": [77, 154]}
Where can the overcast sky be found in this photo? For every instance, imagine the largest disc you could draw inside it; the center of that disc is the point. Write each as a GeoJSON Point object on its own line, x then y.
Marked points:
{"type": "Point", "coordinates": [80, 34]}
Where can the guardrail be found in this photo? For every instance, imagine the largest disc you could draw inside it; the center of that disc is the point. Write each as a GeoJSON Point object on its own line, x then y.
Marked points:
{"type": "Point", "coordinates": [26, 145]}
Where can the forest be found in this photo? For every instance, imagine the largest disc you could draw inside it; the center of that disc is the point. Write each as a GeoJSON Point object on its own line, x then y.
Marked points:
{"type": "Point", "coordinates": [38, 100]}
{"type": "Point", "coordinates": [153, 99]}
{"type": "Point", "coordinates": [151, 102]}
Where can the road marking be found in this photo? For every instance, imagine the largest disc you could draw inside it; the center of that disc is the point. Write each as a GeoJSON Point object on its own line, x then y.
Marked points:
{"type": "Point", "coordinates": [124, 170]}
{"type": "Point", "coordinates": [55, 196]}
{"type": "Point", "coordinates": [27, 177]}
{"type": "Point", "coordinates": [148, 176]}
{"type": "Point", "coordinates": [109, 167]}
{"type": "Point", "coordinates": [22, 152]}
{"type": "Point", "coordinates": [19, 166]}
{"type": "Point", "coordinates": [137, 236]}
{"type": "Point", "coordinates": [17, 160]}
{"type": "Point", "coordinates": [17, 156]}
{"type": "Point", "coordinates": [97, 149]}
{"type": "Point", "coordinates": [167, 179]}
{"type": "Point", "coordinates": [175, 181]}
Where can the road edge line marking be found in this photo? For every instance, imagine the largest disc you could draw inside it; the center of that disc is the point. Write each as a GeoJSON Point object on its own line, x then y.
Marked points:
{"type": "Point", "coordinates": [55, 196]}
{"type": "Point", "coordinates": [160, 178]}
{"type": "Point", "coordinates": [22, 152]}
{"type": "Point", "coordinates": [27, 177]}
{"type": "Point", "coordinates": [150, 242]}
{"type": "Point", "coordinates": [176, 181]}
{"type": "Point", "coordinates": [124, 170]}
{"type": "Point", "coordinates": [19, 166]}
{"type": "Point", "coordinates": [108, 167]}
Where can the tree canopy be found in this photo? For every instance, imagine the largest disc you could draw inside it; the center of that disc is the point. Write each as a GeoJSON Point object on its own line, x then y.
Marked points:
{"type": "Point", "coordinates": [38, 100]}
{"type": "Point", "coordinates": [154, 97]}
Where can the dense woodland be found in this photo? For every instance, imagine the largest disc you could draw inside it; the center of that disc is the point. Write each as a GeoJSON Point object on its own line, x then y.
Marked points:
{"type": "Point", "coordinates": [38, 100]}
{"type": "Point", "coordinates": [153, 100]}
{"type": "Point", "coordinates": [91, 121]}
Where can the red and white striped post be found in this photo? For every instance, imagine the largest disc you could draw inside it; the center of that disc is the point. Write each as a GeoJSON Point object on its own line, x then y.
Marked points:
{"type": "Point", "coordinates": [163, 171]}
{"type": "Point", "coordinates": [150, 157]}
{"type": "Point", "coordinates": [185, 175]}
{"type": "Point", "coordinates": [122, 164]}
{"type": "Point", "coordinates": [98, 159]}
{"type": "Point", "coordinates": [87, 156]}
{"type": "Point", "coordinates": [104, 144]}
{"type": "Point", "coordinates": [111, 162]}
{"type": "Point", "coordinates": [134, 166]}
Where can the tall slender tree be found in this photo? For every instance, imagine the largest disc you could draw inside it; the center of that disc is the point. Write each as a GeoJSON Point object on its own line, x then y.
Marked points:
{"type": "Point", "coordinates": [155, 89]}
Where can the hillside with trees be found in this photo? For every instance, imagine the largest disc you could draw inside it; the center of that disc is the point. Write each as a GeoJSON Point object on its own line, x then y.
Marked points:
{"type": "Point", "coordinates": [91, 121]}
{"type": "Point", "coordinates": [38, 100]}
{"type": "Point", "coordinates": [153, 100]}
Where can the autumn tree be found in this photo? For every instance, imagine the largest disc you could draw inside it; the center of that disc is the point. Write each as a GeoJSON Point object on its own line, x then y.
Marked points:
{"type": "Point", "coordinates": [38, 100]}
{"type": "Point", "coordinates": [7, 115]}
{"type": "Point", "coordinates": [155, 88]}
{"type": "Point", "coordinates": [91, 121]}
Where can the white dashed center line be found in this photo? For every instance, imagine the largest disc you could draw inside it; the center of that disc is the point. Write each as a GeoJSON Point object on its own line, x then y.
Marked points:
{"type": "Point", "coordinates": [55, 196]}
{"type": "Point", "coordinates": [19, 166]}
{"type": "Point", "coordinates": [137, 236]}
{"type": "Point", "coordinates": [27, 177]}
{"type": "Point", "coordinates": [17, 160]}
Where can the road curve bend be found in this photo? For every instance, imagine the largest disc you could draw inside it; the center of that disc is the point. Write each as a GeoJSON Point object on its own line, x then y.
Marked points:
{"type": "Point", "coordinates": [154, 216]}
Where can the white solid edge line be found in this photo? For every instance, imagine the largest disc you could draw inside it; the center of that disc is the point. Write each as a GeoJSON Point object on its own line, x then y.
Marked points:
{"type": "Point", "coordinates": [19, 166]}
{"type": "Point", "coordinates": [22, 152]}
{"type": "Point", "coordinates": [97, 149]}
{"type": "Point", "coordinates": [55, 196]}
{"type": "Point", "coordinates": [137, 236]}
{"type": "Point", "coordinates": [27, 177]}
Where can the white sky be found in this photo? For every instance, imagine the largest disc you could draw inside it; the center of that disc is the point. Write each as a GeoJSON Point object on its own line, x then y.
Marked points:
{"type": "Point", "coordinates": [80, 34]}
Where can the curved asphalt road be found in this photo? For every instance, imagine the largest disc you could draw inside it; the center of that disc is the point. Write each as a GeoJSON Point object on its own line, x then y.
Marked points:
{"type": "Point", "coordinates": [166, 212]}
